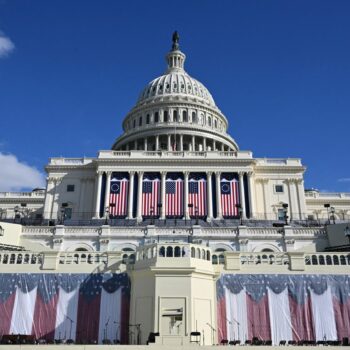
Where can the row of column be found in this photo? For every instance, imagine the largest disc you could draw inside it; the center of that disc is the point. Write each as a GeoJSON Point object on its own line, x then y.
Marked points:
{"type": "Point", "coordinates": [210, 214]}
{"type": "Point", "coordinates": [179, 143]}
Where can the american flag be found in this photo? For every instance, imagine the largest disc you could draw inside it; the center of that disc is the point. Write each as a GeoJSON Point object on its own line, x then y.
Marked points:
{"type": "Point", "coordinates": [229, 197]}
{"type": "Point", "coordinates": [118, 198]}
{"type": "Point", "coordinates": [197, 196]}
{"type": "Point", "coordinates": [65, 306]}
{"type": "Point", "coordinates": [174, 197]}
{"type": "Point", "coordinates": [150, 196]}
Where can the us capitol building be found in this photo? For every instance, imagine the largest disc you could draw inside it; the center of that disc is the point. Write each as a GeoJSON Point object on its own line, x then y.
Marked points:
{"type": "Point", "coordinates": [173, 212]}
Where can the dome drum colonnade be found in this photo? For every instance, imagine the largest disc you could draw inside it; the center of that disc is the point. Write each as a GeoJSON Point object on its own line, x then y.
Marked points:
{"type": "Point", "coordinates": [213, 200]}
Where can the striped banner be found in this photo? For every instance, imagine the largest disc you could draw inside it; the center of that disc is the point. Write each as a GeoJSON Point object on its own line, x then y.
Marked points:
{"type": "Point", "coordinates": [84, 308]}
{"type": "Point", "coordinates": [229, 194]}
{"type": "Point", "coordinates": [174, 197]}
{"type": "Point", "coordinates": [283, 307]}
{"type": "Point", "coordinates": [197, 196]}
{"type": "Point", "coordinates": [118, 198]}
{"type": "Point", "coordinates": [150, 195]}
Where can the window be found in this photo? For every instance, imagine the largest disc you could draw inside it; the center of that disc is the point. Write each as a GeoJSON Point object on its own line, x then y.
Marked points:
{"type": "Point", "coordinates": [215, 124]}
{"type": "Point", "coordinates": [209, 121]}
{"type": "Point", "coordinates": [70, 188]}
{"type": "Point", "coordinates": [194, 117]}
{"type": "Point", "coordinates": [175, 116]}
{"type": "Point", "coordinates": [140, 121]}
{"type": "Point", "coordinates": [147, 119]}
{"type": "Point", "coordinates": [165, 116]}
{"type": "Point", "coordinates": [279, 188]}
{"type": "Point", "coordinates": [281, 214]}
{"type": "Point", "coordinates": [134, 123]}
{"type": "Point", "coordinates": [156, 117]}
{"type": "Point", "coordinates": [184, 116]}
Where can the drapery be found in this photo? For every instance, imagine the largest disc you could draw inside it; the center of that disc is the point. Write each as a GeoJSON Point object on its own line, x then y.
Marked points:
{"type": "Point", "coordinates": [283, 307]}
{"type": "Point", "coordinates": [82, 307]}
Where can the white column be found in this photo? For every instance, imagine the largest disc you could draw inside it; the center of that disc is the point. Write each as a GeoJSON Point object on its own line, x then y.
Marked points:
{"type": "Point", "coordinates": [162, 209]}
{"type": "Point", "coordinates": [186, 174]}
{"type": "Point", "coordinates": [139, 196]}
{"type": "Point", "coordinates": [181, 142]}
{"type": "Point", "coordinates": [48, 198]}
{"type": "Point", "coordinates": [222, 147]}
{"type": "Point", "coordinates": [209, 196]}
{"type": "Point", "coordinates": [251, 194]}
{"type": "Point", "coordinates": [301, 198]}
{"type": "Point", "coordinates": [98, 195]}
{"type": "Point", "coordinates": [108, 187]}
{"type": "Point", "coordinates": [204, 144]}
{"type": "Point", "coordinates": [214, 145]}
{"type": "Point", "coordinates": [242, 195]}
{"type": "Point", "coordinates": [145, 143]}
{"type": "Point", "coordinates": [264, 183]}
{"type": "Point", "coordinates": [157, 142]}
{"type": "Point", "coordinates": [218, 195]}
{"type": "Point", "coordinates": [131, 194]}
{"type": "Point", "coordinates": [81, 209]}
{"type": "Point", "coordinates": [193, 143]}
{"type": "Point", "coordinates": [169, 142]}
{"type": "Point", "coordinates": [293, 205]}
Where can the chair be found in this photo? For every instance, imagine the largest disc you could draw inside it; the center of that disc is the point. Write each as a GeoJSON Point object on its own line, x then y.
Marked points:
{"type": "Point", "coordinates": [282, 342]}
{"type": "Point", "coordinates": [224, 342]}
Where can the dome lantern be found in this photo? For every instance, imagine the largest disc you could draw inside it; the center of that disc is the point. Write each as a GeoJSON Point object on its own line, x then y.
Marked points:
{"type": "Point", "coordinates": [175, 57]}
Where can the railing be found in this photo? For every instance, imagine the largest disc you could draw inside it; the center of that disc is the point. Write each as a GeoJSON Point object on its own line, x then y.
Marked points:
{"type": "Point", "coordinates": [82, 258]}
{"type": "Point", "coordinates": [335, 195]}
{"type": "Point", "coordinates": [40, 194]}
{"type": "Point", "coordinates": [330, 259]}
{"type": "Point", "coordinates": [264, 258]}
{"type": "Point", "coordinates": [70, 161]}
{"type": "Point", "coordinates": [176, 154]}
{"type": "Point", "coordinates": [279, 161]}
{"type": "Point", "coordinates": [291, 261]}
{"type": "Point", "coordinates": [9, 258]}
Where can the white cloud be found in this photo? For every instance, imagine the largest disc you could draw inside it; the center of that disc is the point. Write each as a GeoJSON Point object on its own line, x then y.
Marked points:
{"type": "Point", "coordinates": [6, 45]}
{"type": "Point", "coordinates": [16, 176]}
{"type": "Point", "coordinates": [344, 179]}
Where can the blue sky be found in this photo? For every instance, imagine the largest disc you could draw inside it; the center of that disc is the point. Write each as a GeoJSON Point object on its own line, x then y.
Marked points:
{"type": "Point", "coordinates": [279, 70]}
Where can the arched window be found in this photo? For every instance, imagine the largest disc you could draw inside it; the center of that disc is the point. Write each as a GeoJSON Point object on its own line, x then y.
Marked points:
{"type": "Point", "coordinates": [156, 117]}
{"type": "Point", "coordinates": [194, 117]}
{"type": "Point", "coordinates": [140, 121]}
{"type": "Point", "coordinates": [335, 260]}
{"type": "Point", "coordinates": [329, 260]}
{"type": "Point", "coordinates": [214, 260]}
{"type": "Point", "coordinates": [134, 124]}
{"type": "Point", "coordinates": [215, 124]}
{"type": "Point", "coordinates": [177, 252]}
{"type": "Point", "coordinates": [147, 119]}
{"type": "Point", "coordinates": [169, 251]}
{"type": "Point", "coordinates": [162, 252]}
{"type": "Point", "coordinates": [221, 259]}
{"type": "Point", "coordinates": [165, 119]}
{"type": "Point", "coordinates": [314, 260]}
{"type": "Point", "coordinates": [193, 253]}
{"type": "Point", "coordinates": [209, 121]}
{"type": "Point", "coordinates": [208, 255]}
{"type": "Point", "coordinates": [321, 260]}
{"type": "Point", "coordinates": [184, 116]}
{"type": "Point", "coordinates": [342, 260]}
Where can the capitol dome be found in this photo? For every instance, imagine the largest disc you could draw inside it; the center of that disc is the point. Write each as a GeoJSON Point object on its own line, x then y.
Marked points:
{"type": "Point", "coordinates": [175, 112]}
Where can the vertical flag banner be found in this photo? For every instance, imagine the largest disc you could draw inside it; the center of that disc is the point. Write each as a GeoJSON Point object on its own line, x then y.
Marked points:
{"type": "Point", "coordinates": [197, 195]}
{"type": "Point", "coordinates": [150, 195]}
{"type": "Point", "coordinates": [86, 308]}
{"type": "Point", "coordinates": [174, 197]}
{"type": "Point", "coordinates": [118, 198]}
{"type": "Point", "coordinates": [283, 307]}
{"type": "Point", "coordinates": [229, 190]}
